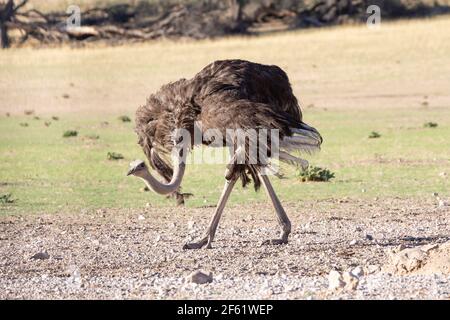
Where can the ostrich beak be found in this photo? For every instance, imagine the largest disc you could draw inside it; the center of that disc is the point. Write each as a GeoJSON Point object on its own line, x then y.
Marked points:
{"type": "Point", "coordinates": [131, 171]}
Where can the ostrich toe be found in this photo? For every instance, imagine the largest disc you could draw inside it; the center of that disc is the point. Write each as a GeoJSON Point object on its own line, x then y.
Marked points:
{"type": "Point", "coordinates": [197, 244]}
{"type": "Point", "coordinates": [274, 242]}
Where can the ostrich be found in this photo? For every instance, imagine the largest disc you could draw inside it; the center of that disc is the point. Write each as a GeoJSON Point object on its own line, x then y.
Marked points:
{"type": "Point", "coordinates": [228, 94]}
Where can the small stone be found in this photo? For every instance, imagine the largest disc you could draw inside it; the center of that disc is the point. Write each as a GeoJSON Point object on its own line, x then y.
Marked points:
{"type": "Point", "coordinates": [408, 260]}
{"type": "Point", "coordinates": [41, 256]}
{"type": "Point", "coordinates": [363, 190]}
{"type": "Point", "coordinates": [191, 224]}
{"type": "Point", "coordinates": [443, 174]}
{"type": "Point", "coordinates": [141, 217]}
{"type": "Point", "coordinates": [353, 242]}
{"type": "Point", "coordinates": [200, 277]}
{"type": "Point", "coordinates": [358, 272]}
{"type": "Point", "coordinates": [350, 280]}
{"type": "Point", "coordinates": [435, 194]}
{"type": "Point", "coordinates": [220, 277]}
{"type": "Point", "coordinates": [371, 269]}
{"type": "Point", "coordinates": [335, 280]}
{"type": "Point", "coordinates": [429, 247]}
{"type": "Point", "coordinates": [369, 237]}
{"type": "Point", "coordinates": [74, 276]}
{"type": "Point", "coordinates": [443, 203]}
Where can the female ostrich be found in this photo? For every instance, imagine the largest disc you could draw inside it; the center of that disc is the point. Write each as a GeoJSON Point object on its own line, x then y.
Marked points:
{"type": "Point", "coordinates": [229, 94]}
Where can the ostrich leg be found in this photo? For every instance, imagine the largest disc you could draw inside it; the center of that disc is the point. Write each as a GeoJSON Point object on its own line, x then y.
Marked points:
{"type": "Point", "coordinates": [211, 231]}
{"type": "Point", "coordinates": [283, 219]}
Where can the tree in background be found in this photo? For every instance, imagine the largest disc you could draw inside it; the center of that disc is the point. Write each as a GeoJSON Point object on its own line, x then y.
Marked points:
{"type": "Point", "coordinates": [7, 11]}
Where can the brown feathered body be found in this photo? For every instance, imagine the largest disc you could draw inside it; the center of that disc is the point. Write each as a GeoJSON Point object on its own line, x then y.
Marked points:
{"type": "Point", "coordinates": [228, 94]}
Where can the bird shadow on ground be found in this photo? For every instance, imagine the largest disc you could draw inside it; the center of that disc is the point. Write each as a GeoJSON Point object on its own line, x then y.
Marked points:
{"type": "Point", "coordinates": [408, 241]}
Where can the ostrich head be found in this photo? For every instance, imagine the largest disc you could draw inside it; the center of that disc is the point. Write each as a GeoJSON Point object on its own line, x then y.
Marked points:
{"type": "Point", "coordinates": [139, 169]}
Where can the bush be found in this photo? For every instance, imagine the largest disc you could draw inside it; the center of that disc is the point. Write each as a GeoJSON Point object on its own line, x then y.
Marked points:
{"type": "Point", "coordinates": [374, 135]}
{"type": "Point", "coordinates": [6, 198]}
{"type": "Point", "coordinates": [124, 118]}
{"type": "Point", "coordinates": [430, 125]}
{"type": "Point", "coordinates": [70, 133]}
{"type": "Point", "coordinates": [115, 156]}
{"type": "Point", "coordinates": [315, 174]}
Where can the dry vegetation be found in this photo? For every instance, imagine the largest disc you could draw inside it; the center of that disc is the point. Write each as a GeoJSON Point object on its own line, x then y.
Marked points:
{"type": "Point", "coordinates": [346, 67]}
{"type": "Point", "coordinates": [23, 23]}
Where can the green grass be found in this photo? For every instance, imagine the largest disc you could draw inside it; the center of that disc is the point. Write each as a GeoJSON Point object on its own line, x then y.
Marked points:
{"type": "Point", "coordinates": [45, 172]}
{"type": "Point", "coordinates": [377, 82]}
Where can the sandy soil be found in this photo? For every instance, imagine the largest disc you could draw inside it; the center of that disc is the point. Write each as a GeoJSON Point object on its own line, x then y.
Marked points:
{"type": "Point", "coordinates": [138, 253]}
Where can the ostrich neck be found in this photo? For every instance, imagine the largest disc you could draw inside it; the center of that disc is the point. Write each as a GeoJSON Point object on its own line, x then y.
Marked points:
{"type": "Point", "coordinates": [164, 188]}
{"type": "Point", "coordinates": [149, 179]}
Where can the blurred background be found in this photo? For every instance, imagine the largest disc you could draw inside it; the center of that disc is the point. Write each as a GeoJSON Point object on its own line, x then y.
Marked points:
{"type": "Point", "coordinates": [72, 73]}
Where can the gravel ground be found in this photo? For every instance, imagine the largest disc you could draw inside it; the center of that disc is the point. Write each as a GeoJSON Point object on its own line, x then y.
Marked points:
{"type": "Point", "coordinates": [137, 254]}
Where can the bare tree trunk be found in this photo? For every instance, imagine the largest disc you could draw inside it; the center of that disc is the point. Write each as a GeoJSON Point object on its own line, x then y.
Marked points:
{"type": "Point", "coordinates": [4, 40]}
{"type": "Point", "coordinates": [236, 8]}
{"type": "Point", "coordinates": [7, 11]}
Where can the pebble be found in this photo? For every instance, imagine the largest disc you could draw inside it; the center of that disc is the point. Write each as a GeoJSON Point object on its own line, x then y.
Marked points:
{"type": "Point", "coordinates": [353, 242]}
{"type": "Point", "coordinates": [200, 277]}
{"type": "Point", "coordinates": [371, 269]}
{"type": "Point", "coordinates": [335, 280]}
{"type": "Point", "coordinates": [351, 281]}
{"type": "Point", "coordinates": [358, 272]}
{"type": "Point", "coordinates": [41, 256]}
{"type": "Point", "coordinates": [443, 203]}
{"type": "Point", "coordinates": [191, 224]}
{"type": "Point", "coordinates": [410, 259]}
{"type": "Point", "coordinates": [74, 276]}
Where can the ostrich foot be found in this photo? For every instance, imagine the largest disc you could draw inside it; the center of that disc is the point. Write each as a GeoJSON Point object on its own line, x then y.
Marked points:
{"type": "Point", "coordinates": [274, 242]}
{"type": "Point", "coordinates": [197, 245]}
